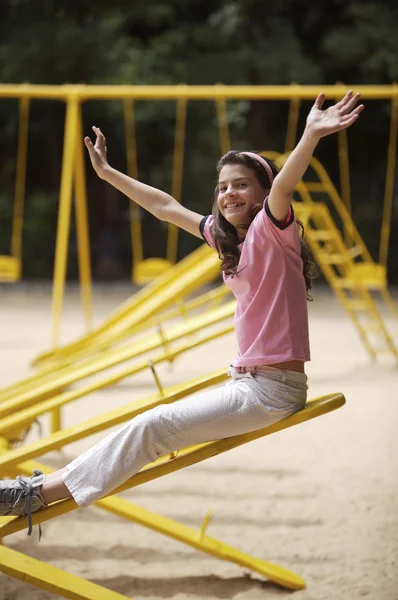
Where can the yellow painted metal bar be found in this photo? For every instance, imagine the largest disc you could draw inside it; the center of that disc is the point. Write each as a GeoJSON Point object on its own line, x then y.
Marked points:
{"type": "Point", "coordinates": [125, 314]}
{"type": "Point", "coordinates": [115, 417]}
{"type": "Point", "coordinates": [205, 272]}
{"type": "Point", "coordinates": [193, 92]}
{"type": "Point", "coordinates": [185, 458]}
{"type": "Point", "coordinates": [19, 413]}
{"type": "Point", "coordinates": [82, 228]}
{"type": "Point", "coordinates": [223, 128]}
{"type": "Point", "coordinates": [46, 375]}
{"type": "Point", "coordinates": [20, 183]}
{"type": "Point", "coordinates": [56, 419]}
{"type": "Point", "coordinates": [171, 528]}
{"type": "Point", "coordinates": [64, 215]}
{"type": "Point", "coordinates": [351, 281]}
{"type": "Point", "coordinates": [165, 342]}
{"type": "Point", "coordinates": [132, 171]}
{"type": "Point", "coordinates": [156, 378]}
{"type": "Point", "coordinates": [51, 579]}
{"type": "Point", "coordinates": [326, 185]}
{"type": "Point", "coordinates": [182, 279]}
{"type": "Point", "coordinates": [389, 184]}
{"type": "Point", "coordinates": [345, 188]}
{"type": "Point", "coordinates": [182, 533]}
{"type": "Point", "coordinates": [177, 176]}
{"type": "Point", "coordinates": [292, 123]}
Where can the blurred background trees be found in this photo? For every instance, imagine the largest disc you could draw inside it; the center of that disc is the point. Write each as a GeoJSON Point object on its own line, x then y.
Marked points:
{"type": "Point", "coordinates": [194, 42]}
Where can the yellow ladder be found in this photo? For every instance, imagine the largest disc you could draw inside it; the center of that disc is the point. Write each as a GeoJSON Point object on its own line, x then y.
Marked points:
{"type": "Point", "coordinates": [345, 261]}
{"type": "Point", "coordinates": [352, 274]}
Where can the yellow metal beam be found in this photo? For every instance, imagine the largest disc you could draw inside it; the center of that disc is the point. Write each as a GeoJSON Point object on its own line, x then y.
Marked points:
{"type": "Point", "coordinates": [113, 417]}
{"type": "Point", "coordinates": [181, 533]}
{"type": "Point", "coordinates": [389, 185]}
{"type": "Point", "coordinates": [213, 297]}
{"type": "Point", "coordinates": [165, 465]}
{"type": "Point", "coordinates": [64, 215]}
{"type": "Point", "coordinates": [161, 467]}
{"type": "Point", "coordinates": [292, 123]}
{"type": "Point", "coordinates": [177, 175]}
{"type": "Point", "coordinates": [49, 578]}
{"type": "Point", "coordinates": [223, 128]}
{"type": "Point", "coordinates": [20, 179]}
{"type": "Point", "coordinates": [194, 92]}
{"type": "Point", "coordinates": [82, 228]}
{"type": "Point", "coordinates": [132, 171]}
{"type": "Point", "coordinates": [21, 412]}
{"type": "Point", "coordinates": [195, 270]}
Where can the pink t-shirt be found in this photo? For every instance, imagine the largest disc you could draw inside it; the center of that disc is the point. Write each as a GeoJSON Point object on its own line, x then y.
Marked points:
{"type": "Point", "coordinates": [271, 317]}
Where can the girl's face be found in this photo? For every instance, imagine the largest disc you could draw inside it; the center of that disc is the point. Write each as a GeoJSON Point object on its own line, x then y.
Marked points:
{"type": "Point", "coordinates": [238, 190]}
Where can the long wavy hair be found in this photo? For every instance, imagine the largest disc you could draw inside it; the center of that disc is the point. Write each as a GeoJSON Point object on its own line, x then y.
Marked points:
{"type": "Point", "coordinates": [226, 236]}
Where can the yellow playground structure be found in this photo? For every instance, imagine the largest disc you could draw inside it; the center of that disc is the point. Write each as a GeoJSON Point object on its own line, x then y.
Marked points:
{"type": "Point", "coordinates": [148, 329]}
{"type": "Point", "coordinates": [73, 176]}
{"type": "Point", "coordinates": [54, 580]}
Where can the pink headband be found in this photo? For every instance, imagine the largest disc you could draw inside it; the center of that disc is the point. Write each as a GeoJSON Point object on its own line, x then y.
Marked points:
{"type": "Point", "coordinates": [262, 162]}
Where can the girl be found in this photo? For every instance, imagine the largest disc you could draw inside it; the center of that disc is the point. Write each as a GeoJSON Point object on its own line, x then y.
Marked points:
{"type": "Point", "coordinates": [267, 266]}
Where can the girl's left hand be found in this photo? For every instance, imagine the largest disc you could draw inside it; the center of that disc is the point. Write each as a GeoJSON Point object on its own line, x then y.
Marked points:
{"type": "Point", "coordinates": [339, 116]}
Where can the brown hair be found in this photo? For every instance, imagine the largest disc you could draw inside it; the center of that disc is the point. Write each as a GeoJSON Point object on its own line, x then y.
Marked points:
{"type": "Point", "coordinates": [225, 235]}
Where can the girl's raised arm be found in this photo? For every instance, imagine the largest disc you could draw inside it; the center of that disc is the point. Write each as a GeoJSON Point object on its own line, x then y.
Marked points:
{"type": "Point", "coordinates": [320, 123]}
{"type": "Point", "coordinates": [161, 205]}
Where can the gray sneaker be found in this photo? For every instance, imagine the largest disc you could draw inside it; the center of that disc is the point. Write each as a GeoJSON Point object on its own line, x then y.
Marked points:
{"type": "Point", "coordinates": [22, 496]}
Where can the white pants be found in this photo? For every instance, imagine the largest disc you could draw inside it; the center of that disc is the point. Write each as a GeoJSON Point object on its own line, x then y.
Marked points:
{"type": "Point", "coordinates": [248, 402]}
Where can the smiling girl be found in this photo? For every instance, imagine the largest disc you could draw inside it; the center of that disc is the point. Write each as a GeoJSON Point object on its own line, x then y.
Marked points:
{"type": "Point", "coordinates": [267, 265]}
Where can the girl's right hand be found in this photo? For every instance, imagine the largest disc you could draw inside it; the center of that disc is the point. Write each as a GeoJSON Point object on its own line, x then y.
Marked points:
{"type": "Point", "coordinates": [97, 152]}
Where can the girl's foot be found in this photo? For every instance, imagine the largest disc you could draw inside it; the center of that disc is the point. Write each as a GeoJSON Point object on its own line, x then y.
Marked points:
{"type": "Point", "coordinates": [22, 496]}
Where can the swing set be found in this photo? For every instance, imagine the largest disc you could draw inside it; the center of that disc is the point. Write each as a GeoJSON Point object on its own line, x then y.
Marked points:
{"type": "Point", "coordinates": [73, 169]}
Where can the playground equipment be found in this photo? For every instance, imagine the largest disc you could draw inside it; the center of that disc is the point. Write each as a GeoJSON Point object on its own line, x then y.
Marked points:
{"type": "Point", "coordinates": [346, 261]}
{"type": "Point", "coordinates": [158, 331]}
{"type": "Point", "coordinates": [73, 162]}
{"type": "Point", "coordinates": [46, 577]}
{"type": "Point", "coordinates": [194, 271]}
{"type": "Point", "coordinates": [146, 270]}
{"type": "Point", "coordinates": [10, 265]}
{"type": "Point", "coordinates": [19, 410]}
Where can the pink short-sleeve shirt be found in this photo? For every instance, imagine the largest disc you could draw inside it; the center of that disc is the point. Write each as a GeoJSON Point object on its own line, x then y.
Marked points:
{"type": "Point", "coordinates": [271, 317]}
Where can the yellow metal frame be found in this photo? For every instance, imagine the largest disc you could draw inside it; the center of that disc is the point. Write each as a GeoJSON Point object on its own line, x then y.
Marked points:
{"type": "Point", "coordinates": [194, 271]}
{"type": "Point", "coordinates": [213, 298]}
{"type": "Point", "coordinates": [346, 263]}
{"type": "Point", "coordinates": [18, 411]}
{"type": "Point", "coordinates": [132, 171]}
{"type": "Point", "coordinates": [292, 123]}
{"type": "Point", "coordinates": [11, 563]}
{"type": "Point", "coordinates": [11, 266]}
{"type": "Point", "coordinates": [74, 95]}
{"type": "Point", "coordinates": [389, 185]}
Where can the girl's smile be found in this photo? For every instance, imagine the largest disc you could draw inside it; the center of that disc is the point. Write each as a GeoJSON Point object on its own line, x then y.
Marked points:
{"type": "Point", "coordinates": [238, 191]}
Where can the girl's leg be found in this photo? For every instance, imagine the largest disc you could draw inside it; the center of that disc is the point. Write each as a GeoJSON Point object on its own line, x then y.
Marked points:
{"type": "Point", "coordinates": [245, 404]}
{"type": "Point", "coordinates": [54, 488]}
{"type": "Point", "coordinates": [238, 407]}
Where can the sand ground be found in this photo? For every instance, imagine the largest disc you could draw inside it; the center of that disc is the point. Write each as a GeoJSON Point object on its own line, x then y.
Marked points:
{"type": "Point", "coordinates": [319, 499]}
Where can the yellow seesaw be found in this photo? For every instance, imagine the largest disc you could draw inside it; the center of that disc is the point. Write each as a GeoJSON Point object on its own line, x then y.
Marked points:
{"type": "Point", "coordinates": [68, 586]}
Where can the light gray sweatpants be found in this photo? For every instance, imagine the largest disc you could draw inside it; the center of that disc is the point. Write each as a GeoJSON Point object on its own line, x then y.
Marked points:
{"type": "Point", "coordinates": [248, 402]}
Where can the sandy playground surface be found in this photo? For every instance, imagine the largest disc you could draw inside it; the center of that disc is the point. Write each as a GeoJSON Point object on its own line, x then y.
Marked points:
{"type": "Point", "coordinates": [319, 499]}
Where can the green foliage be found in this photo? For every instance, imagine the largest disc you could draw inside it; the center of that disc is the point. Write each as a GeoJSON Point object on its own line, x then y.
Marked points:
{"type": "Point", "coordinates": [6, 213]}
{"type": "Point", "coordinates": [366, 42]}
{"type": "Point", "coordinates": [194, 42]}
{"type": "Point", "coordinates": [40, 226]}
{"type": "Point", "coordinates": [39, 231]}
